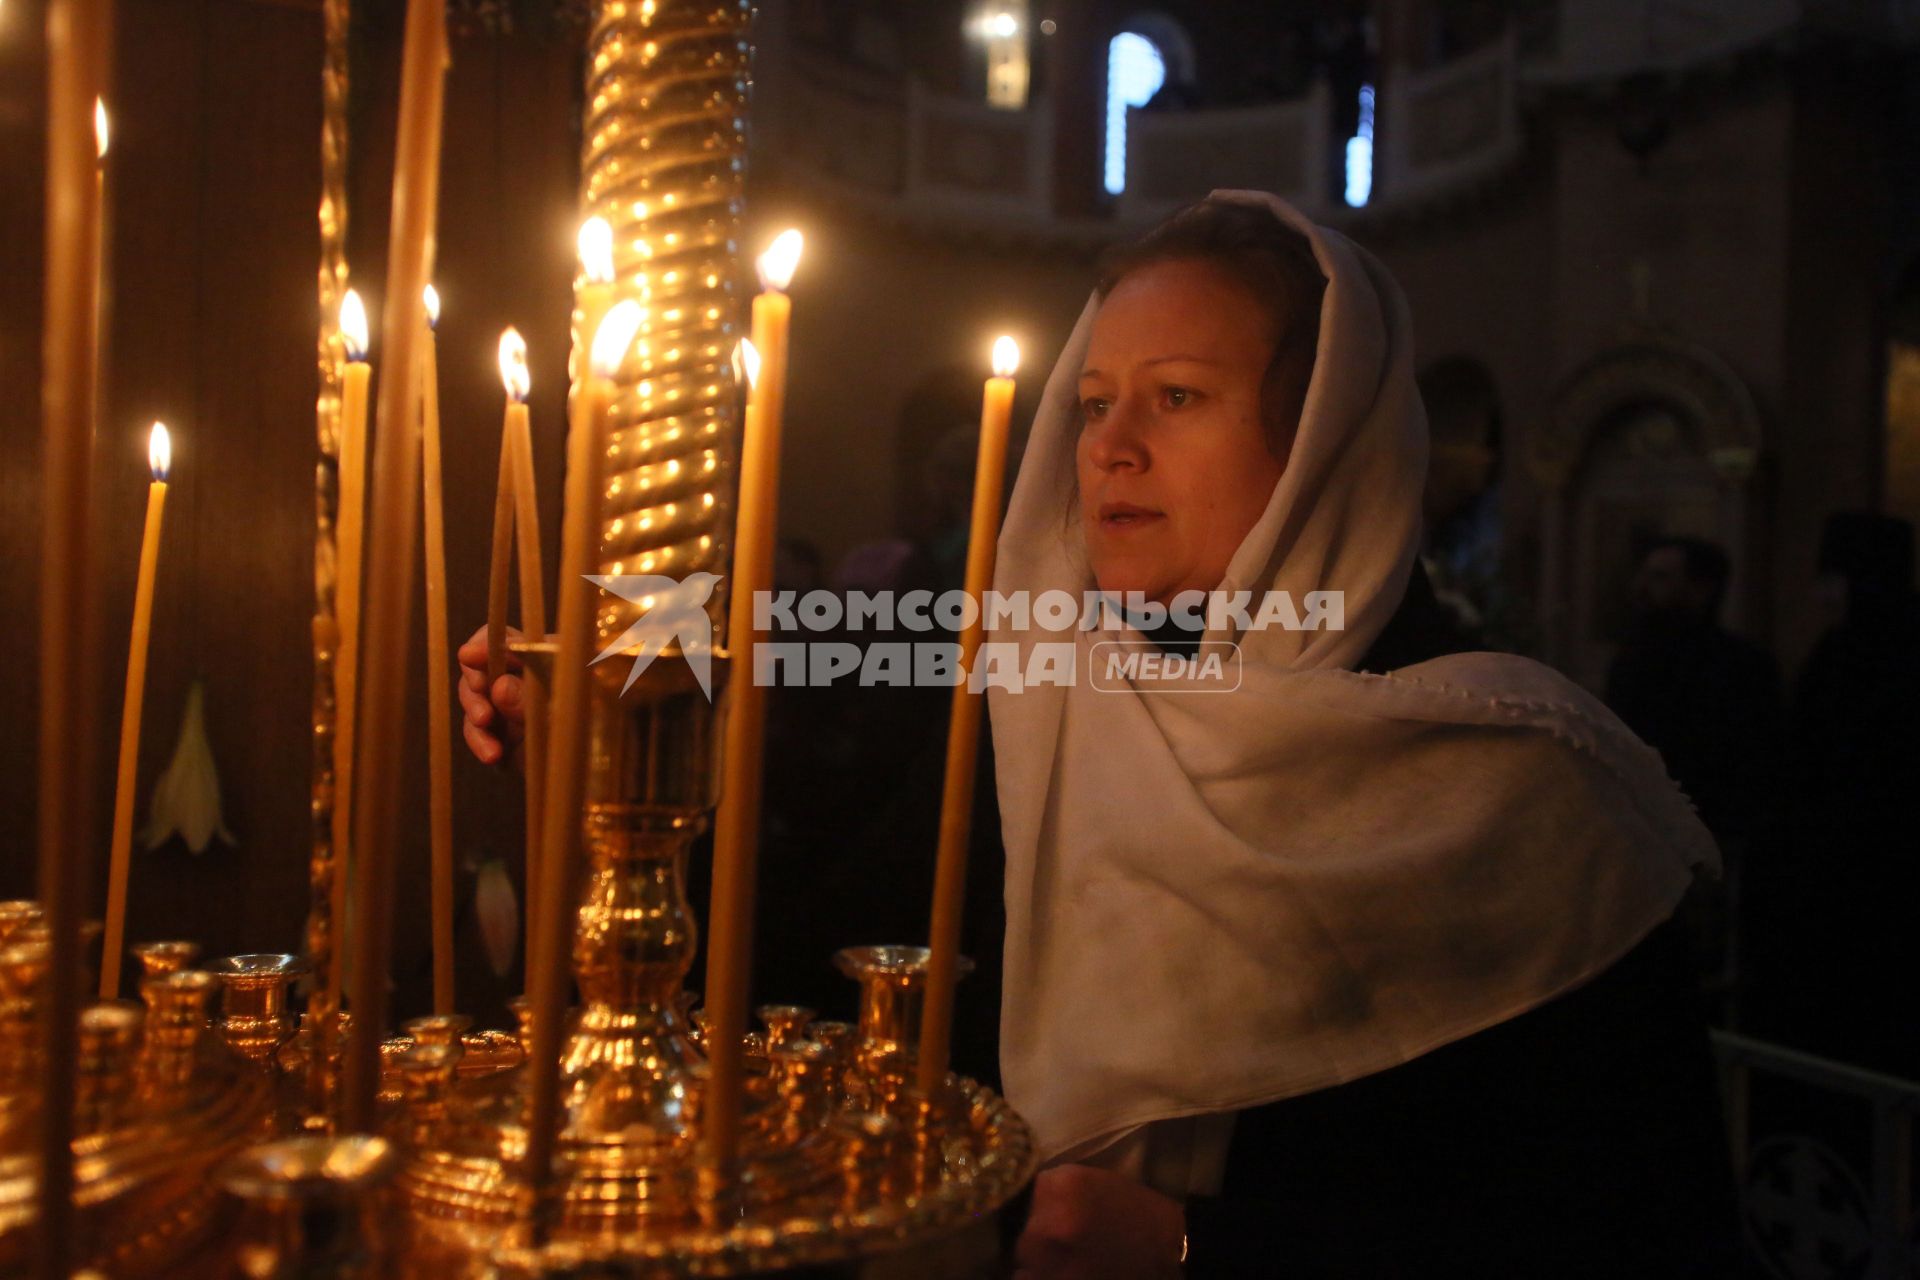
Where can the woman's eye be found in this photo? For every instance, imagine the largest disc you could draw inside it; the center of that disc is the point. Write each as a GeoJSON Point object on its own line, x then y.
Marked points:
{"type": "Point", "coordinates": [1178, 396]}
{"type": "Point", "coordinates": [1093, 409]}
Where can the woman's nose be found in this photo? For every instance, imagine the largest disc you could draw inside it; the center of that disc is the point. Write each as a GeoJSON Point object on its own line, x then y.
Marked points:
{"type": "Point", "coordinates": [1117, 442]}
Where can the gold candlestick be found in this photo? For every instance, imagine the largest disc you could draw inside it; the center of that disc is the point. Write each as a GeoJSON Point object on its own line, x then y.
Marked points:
{"type": "Point", "coordinates": [77, 42]}
{"type": "Point", "coordinates": [737, 826]}
{"type": "Point", "coordinates": [159, 456]}
{"type": "Point", "coordinates": [963, 729]}
{"type": "Point", "coordinates": [517, 511]}
{"type": "Point", "coordinates": [513, 366]}
{"type": "Point", "coordinates": [389, 594]}
{"type": "Point", "coordinates": [566, 766]}
{"type": "Point", "coordinates": [355, 382]}
{"type": "Point", "coordinates": [439, 673]}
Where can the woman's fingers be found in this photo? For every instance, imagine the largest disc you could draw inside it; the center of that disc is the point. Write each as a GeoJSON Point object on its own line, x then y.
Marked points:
{"type": "Point", "coordinates": [485, 747]}
{"type": "Point", "coordinates": [506, 694]}
{"type": "Point", "coordinates": [472, 656]}
{"type": "Point", "coordinates": [508, 699]}
{"type": "Point", "coordinates": [1088, 1222]}
{"type": "Point", "coordinates": [489, 719]}
{"type": "Point", "coordinates": [478, 710]}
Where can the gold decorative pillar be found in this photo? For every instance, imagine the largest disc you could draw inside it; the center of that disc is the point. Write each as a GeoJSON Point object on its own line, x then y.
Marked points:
{"type": "Point", "coordinates": [323, 931]}
{"type": "Point", "coordinates": [665, 164]}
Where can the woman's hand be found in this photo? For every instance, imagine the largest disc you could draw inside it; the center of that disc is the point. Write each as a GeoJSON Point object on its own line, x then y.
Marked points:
{"type": "Point", "coordinates": [488, 718]}
{"type": "Point", "coordinates": [1092, 1224]}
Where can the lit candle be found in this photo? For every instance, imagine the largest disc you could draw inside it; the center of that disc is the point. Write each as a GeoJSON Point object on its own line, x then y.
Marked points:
{"type": "Point", "coordinates": [390, 585]}
{"type": "Point", "coordinates": [349, 534]}
{"type": "Point", "coordinates": [595, 293]}
{"type": "Point", "coordinates": [76, 74]}
{"type": "Point", "coordinates": [517, 510]}
{"type": "Point", "coordinates": [439, 675]}
{"type": "Point", "coordinates": [159, 455]}
{"type": "Point", "coordinates": [102, 136]}
{"type": "Point", "coordinates": [513, 372]}
{"type": "Point", "coordinates": [548, 982]}
{"type": "Point", "coordinates": [963, 729]}
{"type": "Point", "coordinates": [737, 826]}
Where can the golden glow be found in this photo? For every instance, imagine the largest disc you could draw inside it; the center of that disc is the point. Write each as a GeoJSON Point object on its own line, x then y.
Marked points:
{"type": "Point", "coordinates": [431, 297]}
{"type": "Point", "coordinates": [513, 365]}
{"type": "Point", "coordinates": [159, 451]}
{"type": "Point", "coordinates": [778, 262]}
{"type": "Point", "coordinates": [615, 335]}
{"type": "Point", "coordinates": [596, 250]}
{"type": "Point", "coordinates": [100, 130]}
{"type": "Point", "coordinates": [353, 325]}
{"type": "Point", "coordinates": [1006, 357]}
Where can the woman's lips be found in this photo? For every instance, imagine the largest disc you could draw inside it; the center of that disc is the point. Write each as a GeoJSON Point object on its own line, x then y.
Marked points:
{"type": "Point", "coordinates": [1116, 517]}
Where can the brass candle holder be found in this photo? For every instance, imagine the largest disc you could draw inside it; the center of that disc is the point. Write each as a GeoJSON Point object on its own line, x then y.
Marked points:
{"type": "Point", "coordinates": [312, 1208]}
{"type": "Point", "coordinates": [160, 1101]}
{"type": "Point", "coordinates": [843, 1164]}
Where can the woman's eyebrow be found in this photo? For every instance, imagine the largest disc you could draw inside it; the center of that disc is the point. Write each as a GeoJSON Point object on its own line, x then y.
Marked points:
{"type": "Point", "coordinates": [1100, 373]}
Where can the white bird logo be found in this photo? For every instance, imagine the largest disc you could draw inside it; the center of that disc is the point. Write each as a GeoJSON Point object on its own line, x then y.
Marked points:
{"type": "Point", "coordinates": [673, 612]}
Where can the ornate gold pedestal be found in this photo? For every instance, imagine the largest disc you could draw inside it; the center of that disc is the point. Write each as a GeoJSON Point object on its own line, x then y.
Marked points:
{"type": "Point", "coordinates": [162, 1102]}
{"type": "Point", "coordinates": [844, 1166]}
{"type": "Point", "coordinates": [840, 1158]}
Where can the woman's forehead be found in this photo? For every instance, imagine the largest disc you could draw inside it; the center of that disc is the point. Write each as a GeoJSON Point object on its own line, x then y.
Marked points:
{"type": "Point", "coordinates": [1175, 310]}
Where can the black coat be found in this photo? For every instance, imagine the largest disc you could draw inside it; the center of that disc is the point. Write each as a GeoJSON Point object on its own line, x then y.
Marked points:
{"type": "Point", "coordinates": [1581, 1139]}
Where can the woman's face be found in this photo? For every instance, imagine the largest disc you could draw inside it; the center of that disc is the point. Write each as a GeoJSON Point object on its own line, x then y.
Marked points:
{"type": "Point", "coordinates": [1173, 455]}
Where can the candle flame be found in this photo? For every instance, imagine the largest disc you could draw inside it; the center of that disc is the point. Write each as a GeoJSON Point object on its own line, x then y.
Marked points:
{"type": "Point", "coordinates": [596, 250]}
{"type": "Point", "coordinates": [159, 452]}
{"type": "Point", "coordinates": [1006, 357]}
{"type": "Point", "coordinates": [431, 297]}
{"type": "Point", "coordinates": [615, 335]}
{"type": "Point", "coordinates": [778, 262]}
{"type": "Point", "coordinates": [746, 363]}
{"type": "Point", "coordinates": [353, 326]}
{"type": "Point", "coordinates": [513, 365]}
{"type": "Point", "coordinates": [100, 128]}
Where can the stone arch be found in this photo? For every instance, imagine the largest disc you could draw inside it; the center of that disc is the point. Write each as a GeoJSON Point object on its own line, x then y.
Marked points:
{"type": "Point", "coordinates": [1691, 379]}
{"type": "Point", "coordinates": [1652, 436]}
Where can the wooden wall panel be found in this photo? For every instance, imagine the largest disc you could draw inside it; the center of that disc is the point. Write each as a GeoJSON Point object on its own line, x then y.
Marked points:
{"type": "Point", "coordinates": [214, 251]}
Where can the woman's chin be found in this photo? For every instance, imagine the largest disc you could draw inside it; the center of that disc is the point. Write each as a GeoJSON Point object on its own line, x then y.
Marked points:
{"type": "Point", "coordinates": [1122, 583]}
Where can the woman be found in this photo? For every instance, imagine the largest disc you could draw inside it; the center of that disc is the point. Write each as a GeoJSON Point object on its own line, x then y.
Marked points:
{"type": "Point", "coordinates": [1334, 973]}
{"type": "Point", "coordinates": [1337, 973]}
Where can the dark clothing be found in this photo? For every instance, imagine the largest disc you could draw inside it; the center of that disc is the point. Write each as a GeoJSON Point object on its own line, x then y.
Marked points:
{"type": "Point", "coordinates": [1421, 628]}
{"type": "Point", "coordinates": [1709, 703]}
{"type": "Point", "coordinates": [1834, 941]}
{"type": "Point", "coordinates": [1580, 1139]}
{"type": "Point", "coordinates": [1839, 889]}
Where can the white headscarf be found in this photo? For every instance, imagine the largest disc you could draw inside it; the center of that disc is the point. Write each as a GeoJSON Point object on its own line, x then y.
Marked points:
{"type": "Point", "coordinates": [1219, 900]}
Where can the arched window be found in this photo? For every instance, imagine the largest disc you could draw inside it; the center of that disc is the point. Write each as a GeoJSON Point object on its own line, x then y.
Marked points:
{"type": "Point", "coordinates": [1359, 167]}
{"type": "Point", "coordinates": [1135, 71]}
